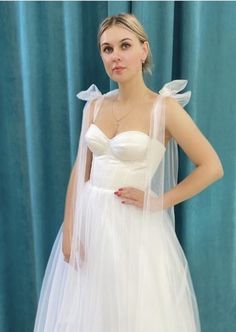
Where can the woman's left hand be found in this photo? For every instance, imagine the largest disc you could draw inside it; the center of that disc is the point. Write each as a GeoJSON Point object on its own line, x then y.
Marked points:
{"type": "Point", "coordinates": [131, 196]}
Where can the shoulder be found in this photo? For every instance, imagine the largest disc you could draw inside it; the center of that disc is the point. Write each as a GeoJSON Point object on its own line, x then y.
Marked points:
{"type": "Point", "coordinates": [171, 104]}
{"type": "Point", "coordinates": [101, 104]}
{"type": "Point", "coordinates": [177, 118]}
{"type": "Point", "coordinates": [90, 107]}
{"type": "Point", "coordinates": [173, 109]}
{"type": "Point", "coordinates": [168, 103]}
{"type": "Point", "coordinates": [92, 103]}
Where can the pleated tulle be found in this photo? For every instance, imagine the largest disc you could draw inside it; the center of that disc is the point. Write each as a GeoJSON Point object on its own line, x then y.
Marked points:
{"type": "Point", "coordinates": [120, 285]}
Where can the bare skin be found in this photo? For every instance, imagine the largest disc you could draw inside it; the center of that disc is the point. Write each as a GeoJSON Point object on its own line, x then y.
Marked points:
{"type": "Point", "coordinates": [121, 48]}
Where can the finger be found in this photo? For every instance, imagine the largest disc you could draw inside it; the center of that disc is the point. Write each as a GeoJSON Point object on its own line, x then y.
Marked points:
{"type": "Point", "coordinates": [131, 194]}
{"type": "Point", "coordinates": [66, 259]}
{"type": "Point", "coordinates": [127, 189]}
{"type": "Point", "coordinates": [124, 190]}
{"type": "Point", "coordinates": [131, 202]}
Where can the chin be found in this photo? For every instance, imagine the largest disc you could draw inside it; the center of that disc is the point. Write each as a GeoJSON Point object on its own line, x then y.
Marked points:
{"type": "Point", "coordinates": [121, 78]}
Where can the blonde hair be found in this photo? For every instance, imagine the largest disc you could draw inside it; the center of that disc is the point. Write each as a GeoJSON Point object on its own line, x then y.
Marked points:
{"type": "Point", "coordinates": [130, 22]}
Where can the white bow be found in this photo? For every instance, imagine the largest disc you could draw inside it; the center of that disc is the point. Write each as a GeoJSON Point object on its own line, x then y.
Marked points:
{"type": "Point", "coordinates": [170, 89]}
{"type": "Point", "coordinates": [91, 93]}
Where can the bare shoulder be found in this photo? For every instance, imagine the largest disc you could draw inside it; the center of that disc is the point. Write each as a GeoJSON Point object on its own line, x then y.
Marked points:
{"type": "Point", "coordinates": [102, 111]}
{"type": "Point", "coordinates": [105, 104]}
{"type": "Point", "coordinates": [174, 114]}
{"type": "Point", "coordinates": [100, 101]}
{"type": "Point", "coordinates": [171, 105]}
{"type": "Point", "coordinates": [187, 134]}
{"type": "Point", "coordinates": [92, 106]}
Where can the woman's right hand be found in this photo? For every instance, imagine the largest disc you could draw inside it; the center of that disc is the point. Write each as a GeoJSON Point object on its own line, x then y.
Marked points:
{"type": "Point", "coordinates": [66, 246]}
{"type": "Point", "coordinates": [66, 249]}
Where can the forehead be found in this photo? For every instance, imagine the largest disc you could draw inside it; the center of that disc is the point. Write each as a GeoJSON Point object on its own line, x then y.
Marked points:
{"type": "Point", "coordinates": [115, 34]}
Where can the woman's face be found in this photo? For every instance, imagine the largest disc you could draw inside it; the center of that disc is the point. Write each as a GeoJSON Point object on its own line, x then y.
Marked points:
{"type": "Point", "coordinates": [122, 53]}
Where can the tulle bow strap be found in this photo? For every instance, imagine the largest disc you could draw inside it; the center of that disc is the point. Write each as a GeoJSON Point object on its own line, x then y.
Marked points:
{"type": "Point", "coordinates": [172, 88]}
{"type": "Point", "coordinates": [91, 93]}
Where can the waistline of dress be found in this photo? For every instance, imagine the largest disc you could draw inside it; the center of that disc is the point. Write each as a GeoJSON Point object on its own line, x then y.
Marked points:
{"type": "Point", "coordinates": [96, 187]}
{"type": "Point", "coordinates": [112, 188]}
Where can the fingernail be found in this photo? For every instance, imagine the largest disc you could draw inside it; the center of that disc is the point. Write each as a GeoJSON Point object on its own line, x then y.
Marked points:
{"type": "Point", "coordinates": [123, 202]}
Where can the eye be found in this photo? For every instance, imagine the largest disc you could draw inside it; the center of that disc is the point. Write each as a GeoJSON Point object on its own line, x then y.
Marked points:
{"type": "Point", "coordinates": [107, 49]}
{"type": "Point", "coordinates": [125, 46]}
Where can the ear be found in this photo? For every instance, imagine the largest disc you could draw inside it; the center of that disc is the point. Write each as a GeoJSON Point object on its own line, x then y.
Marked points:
{"type": "Point", "coordinates": [145, 49]}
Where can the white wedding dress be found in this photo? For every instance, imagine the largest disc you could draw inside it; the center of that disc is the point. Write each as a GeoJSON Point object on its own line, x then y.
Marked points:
{"type": "Point", "coordinates": [110, 302]}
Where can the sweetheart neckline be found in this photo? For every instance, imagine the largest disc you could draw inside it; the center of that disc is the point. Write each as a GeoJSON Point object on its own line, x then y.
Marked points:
{"type": "Point", "coordinates": [123, 132]}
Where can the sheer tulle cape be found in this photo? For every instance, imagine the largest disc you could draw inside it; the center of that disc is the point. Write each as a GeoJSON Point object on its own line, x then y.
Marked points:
{"type": "Point", "coordinates": [79, 284]}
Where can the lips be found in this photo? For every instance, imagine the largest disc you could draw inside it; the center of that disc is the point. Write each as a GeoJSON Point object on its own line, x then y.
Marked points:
{"type": "Point", "coordinates": [118, 68]}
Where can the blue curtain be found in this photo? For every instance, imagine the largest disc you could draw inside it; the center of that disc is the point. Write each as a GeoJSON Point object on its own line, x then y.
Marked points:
{"type": "Point", "coordinates": [47, 54]}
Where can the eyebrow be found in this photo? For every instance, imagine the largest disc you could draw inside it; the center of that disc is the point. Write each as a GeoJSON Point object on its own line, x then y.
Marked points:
{"type": "Point", "coordinates": [120, 41]}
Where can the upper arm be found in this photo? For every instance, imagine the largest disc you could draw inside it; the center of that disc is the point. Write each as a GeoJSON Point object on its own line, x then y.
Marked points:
{"type": "Point", "coordinates": [91, 111]}
{"type": "Point", "coordinates": [89, 156]}
{"type": "Point", "coordinates": [183, 129]}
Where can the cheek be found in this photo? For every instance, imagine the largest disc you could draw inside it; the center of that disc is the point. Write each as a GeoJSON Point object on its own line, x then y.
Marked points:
{"type": "Point", "coordinates": [106, 62]}
{"type": "Point", "coordinates": [134, 60]}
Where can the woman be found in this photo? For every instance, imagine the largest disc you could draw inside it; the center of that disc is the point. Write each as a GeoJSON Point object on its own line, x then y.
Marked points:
{"type": "Point", "coordinates": [116, 264]}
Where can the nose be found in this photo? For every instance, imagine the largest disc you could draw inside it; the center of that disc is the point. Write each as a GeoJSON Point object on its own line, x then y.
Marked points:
{"type": "Point", "coordinates": [116, 54]}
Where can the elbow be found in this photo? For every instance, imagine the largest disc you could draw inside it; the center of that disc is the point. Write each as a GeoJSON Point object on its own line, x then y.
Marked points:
{"type": "Point", "coordinates": [212, 170]}
{"type": "Point", "coordinates": [219, 174]}
{"type": "Point", "coordinates": [217, 171]}
{"type": "Point", "coordinates": [221, 171]}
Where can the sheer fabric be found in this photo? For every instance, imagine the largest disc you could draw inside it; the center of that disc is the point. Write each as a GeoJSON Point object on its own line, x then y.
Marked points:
{"type": "Point", "coordinates": [127, 271]}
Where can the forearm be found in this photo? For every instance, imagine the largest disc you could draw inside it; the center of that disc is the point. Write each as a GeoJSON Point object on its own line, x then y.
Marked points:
{"type": "Point", "coordinates": [68, 212]}
{"type": "Point", "coordinates": [201, 177]}
{"type": "Point", "coordinates": [71, 191]}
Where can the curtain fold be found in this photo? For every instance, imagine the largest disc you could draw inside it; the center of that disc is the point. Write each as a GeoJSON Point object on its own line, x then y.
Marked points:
{"type": "Point", "coordinates": [48, 53]}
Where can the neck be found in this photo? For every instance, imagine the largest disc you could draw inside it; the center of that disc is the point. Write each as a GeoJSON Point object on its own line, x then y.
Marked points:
{"type": "Point", "coordinates": [128, 91]}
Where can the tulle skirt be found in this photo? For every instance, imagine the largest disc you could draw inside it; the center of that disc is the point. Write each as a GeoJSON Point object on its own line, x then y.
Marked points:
{"type": "Point", "coordinates": [123, 284]}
